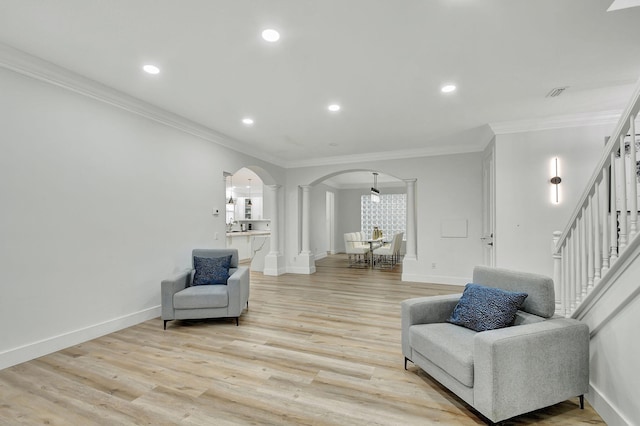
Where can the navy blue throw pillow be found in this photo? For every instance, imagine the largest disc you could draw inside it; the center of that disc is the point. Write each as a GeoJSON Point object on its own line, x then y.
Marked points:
{"type": "Point", "coordinates": [211, 270]}
{"type": "Point", "coordinates": [486, 308]}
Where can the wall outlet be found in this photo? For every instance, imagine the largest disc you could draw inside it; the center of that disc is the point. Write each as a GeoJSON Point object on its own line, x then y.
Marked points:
{"type": "Point", "coordinates": [215, 236]}
{"type": "Point", "coordinates": [433, 265]}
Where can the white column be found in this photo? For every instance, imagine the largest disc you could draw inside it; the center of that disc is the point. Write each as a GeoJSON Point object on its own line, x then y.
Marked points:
{"type": "Point", "coordinates": [274, 190]}
{"type": "Point", "coordinates": [274, 262]}
{"type": "Point", "coordinates": [305, 262]}
{"type": "Point", "coordinates": [306, 217]}
{"type": "Point", "coordinates": [411, 220]}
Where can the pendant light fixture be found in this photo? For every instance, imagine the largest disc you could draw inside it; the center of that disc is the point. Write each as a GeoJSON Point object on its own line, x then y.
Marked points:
{"type": "Point", "coordinates": [375, 193]}
{"type": "Point", "coordinates": [249, 199]}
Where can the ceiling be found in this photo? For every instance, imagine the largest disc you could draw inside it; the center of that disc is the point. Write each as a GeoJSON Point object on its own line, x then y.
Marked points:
{"type": "Point", "coordinates": [383, 61]}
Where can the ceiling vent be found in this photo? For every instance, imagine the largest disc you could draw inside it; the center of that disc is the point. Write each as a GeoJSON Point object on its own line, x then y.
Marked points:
{"type": "Point", "coordinates": [557, 91]}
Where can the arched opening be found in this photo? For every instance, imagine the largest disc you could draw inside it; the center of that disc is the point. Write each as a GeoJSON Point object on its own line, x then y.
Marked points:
{"type": "Point", "coordinates": [352, 210]}
{"type": "Point", "coordinates": [252, 217]}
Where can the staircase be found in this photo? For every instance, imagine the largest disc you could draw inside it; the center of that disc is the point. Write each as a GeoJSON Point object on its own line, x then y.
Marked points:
{"type": "Point", "coordinates": [603, 228]}
{"type": "Point", "coordinates": [597, 272]}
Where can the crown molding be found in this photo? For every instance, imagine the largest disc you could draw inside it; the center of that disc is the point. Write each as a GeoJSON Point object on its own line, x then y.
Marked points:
{"type": "Point", "coordinates": [26, 64]}
{"type": "Point", "coordinates": [40, 69]}
{"type": "Point", "coordinates": [557, 122]}
{"type": "Point", "coordinates": [385, 156]}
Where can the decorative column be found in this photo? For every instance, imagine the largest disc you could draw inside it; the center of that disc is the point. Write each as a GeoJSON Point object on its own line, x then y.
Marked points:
{"type": "Point", "coordinates": [306, 263]}
{"type": "Point", "coordinates": [274, 262]}
{"type": "Point", "coordinates": [306, 217]}
{"type": "Point", "coordinates": [410, 267]}
{"type": "Point", "coordinates": [411, 219]}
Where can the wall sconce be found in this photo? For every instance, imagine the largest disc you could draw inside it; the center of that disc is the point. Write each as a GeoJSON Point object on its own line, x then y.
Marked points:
{"type": "Point", "coordinates": [555, 181]}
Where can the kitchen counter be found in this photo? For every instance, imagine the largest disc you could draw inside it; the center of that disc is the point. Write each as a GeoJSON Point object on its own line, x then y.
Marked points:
{"type": "Point", "coordinates": [247, 233]}
{"type": "Point", "coordinates": [248, 242]}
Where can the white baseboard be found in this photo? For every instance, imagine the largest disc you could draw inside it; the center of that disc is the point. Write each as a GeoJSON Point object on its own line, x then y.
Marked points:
{"type": "Point", "coordinates": [274, 272]}
{"type": "Point", "coordinates": [435, 279]}
{"type": "Point", "coordinates": [609, 413]}
{"type": "Point", "coordinates": [304, 270]}
{"type": "Point", "coordinates": [320, 255]}
{"type": "Point", "coordinates": [43, 347]}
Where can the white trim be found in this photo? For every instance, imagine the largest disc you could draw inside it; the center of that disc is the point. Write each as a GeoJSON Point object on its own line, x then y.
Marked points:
{"type": "Point", "coordinates": [37, 68]}
{"type": "Point", "coordinates": [34, 67]}
{"type": "Point", "coordinates": [302, 270]}
{"type": "Point", "coordinates": [617, 296]}
{"type": "Point", "coordinates": [557, 122]}
{"type": "Point", "coordinates": [52, 344]}
{"type": "Point", "coordinates": [386, 155]}
{"type": "Point", "coordinates": [274, 272]}
{"type": "Point", "coordinates": [435, 279]}
{"type": "Point", "coordinates": [319, 256]}
{"type": "Point", "coordinates": [605, 408]}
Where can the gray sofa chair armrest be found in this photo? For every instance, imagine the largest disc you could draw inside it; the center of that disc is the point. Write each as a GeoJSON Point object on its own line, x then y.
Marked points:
{"type": "Point", "coordinates": [523, 368]}
{"type": "Point", "coordinates": [424, 310]}
{"type": "Point", "coordinates": [238, 287]}
{"type": "Point", "coordinates": [169, 287]}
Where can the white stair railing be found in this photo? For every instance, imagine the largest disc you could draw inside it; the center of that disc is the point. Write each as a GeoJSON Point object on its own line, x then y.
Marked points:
{"type": "Point", "coordinates": [605, 220]}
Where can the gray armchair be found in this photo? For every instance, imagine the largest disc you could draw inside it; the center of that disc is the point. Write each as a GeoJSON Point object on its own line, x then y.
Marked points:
{"type": "Point", "coordinates": [180, 300]}
{"type": "Point", "coordinates": [539, 361]}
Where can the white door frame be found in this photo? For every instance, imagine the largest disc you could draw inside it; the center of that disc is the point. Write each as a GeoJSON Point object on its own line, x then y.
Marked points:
{"type": "Point", "coordinates": [489, 206]}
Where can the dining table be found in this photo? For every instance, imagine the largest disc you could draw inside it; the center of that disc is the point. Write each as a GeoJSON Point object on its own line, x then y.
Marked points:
{"type": "Point", "coordinates": [371, 243]}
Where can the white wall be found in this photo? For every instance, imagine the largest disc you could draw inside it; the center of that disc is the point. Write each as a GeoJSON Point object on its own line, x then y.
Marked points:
{"type": "Point", "coordinates": [525, 216]}
{"type": "Point", "coordinates": [448, 187]}
{"type": "Point", "coordinates": [613, 316]}
{"type": "Point", "coordinates": [98, 206]}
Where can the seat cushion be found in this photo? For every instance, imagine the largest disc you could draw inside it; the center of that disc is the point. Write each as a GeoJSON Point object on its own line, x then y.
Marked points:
{"type": "Point", "coordinates": [448, 346]}
{"type": "Point", "coordinates": [201, 296]}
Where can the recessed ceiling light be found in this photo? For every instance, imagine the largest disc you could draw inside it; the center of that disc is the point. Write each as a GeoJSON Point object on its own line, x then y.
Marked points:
{"type": "Point", "coordinates": [151, 69]}
{"type": "Point", "coordinates": [271, 35]}
{"type": "Point", "coordinates": [448, 88]}
{"type": "Point", "coordinates": [334, 107]}
{"type": "Point", "coordinates": [248, 121]}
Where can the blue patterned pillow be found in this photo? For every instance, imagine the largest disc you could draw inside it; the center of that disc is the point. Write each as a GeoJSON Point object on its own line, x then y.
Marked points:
{"type": "Point", "coordinates": [211, 270]}
{"type": "Point", "coordinates": [486, 308]}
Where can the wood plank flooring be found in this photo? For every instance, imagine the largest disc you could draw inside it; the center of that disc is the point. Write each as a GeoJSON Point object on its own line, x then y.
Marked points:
{"type": "Point", "coordinates": [322, 349]}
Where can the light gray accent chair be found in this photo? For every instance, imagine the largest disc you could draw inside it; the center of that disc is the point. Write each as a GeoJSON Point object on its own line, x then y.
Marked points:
{"type": "Point", "coordinates": [181, 300]}
{"type": "Point", "coordinates": [539, 361]}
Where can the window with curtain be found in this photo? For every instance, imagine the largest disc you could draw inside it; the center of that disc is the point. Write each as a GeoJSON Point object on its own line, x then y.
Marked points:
{"type": "Point", "coordinates": [389, 215]}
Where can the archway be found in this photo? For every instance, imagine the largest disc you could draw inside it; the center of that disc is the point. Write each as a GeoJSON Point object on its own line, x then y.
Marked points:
{"type": "Point", "coordinates": [255, 213]}
{"type": "Point", "coordinates": [351, 187]}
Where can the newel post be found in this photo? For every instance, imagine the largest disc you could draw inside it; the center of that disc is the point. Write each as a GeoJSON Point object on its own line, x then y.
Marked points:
{"type": "Point", "coordinates": [557, 271]}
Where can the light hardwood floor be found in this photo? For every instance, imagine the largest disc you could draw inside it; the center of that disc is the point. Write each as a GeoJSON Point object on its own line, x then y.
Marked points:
{"type": "Point", "coordinates": [322, 349]}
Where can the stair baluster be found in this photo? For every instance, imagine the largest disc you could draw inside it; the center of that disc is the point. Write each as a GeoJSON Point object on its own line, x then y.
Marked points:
{"type": "Point", "coordinates": [605, 221]}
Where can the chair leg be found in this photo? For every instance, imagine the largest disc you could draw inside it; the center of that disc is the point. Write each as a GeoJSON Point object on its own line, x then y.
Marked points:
{"type": "Point", "coordinates": [582, 402]}
{"type": "Point", "coordinates": [405, 362]}
{"type": "Point", "coordinates": [165, 323]}
{"type": "Point", "coordinates": [237, 321]}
